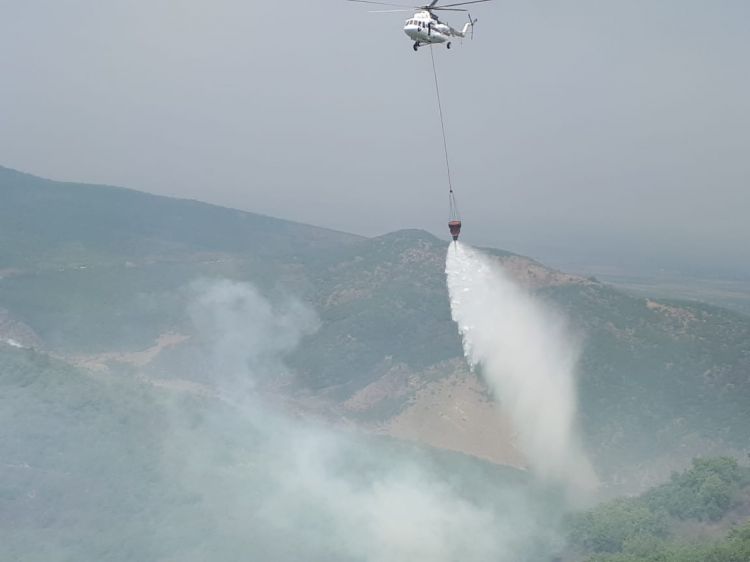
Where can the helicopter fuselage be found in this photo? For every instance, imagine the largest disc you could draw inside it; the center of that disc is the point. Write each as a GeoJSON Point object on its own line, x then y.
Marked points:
{"type": "Point", "coordinates": [424, 28]}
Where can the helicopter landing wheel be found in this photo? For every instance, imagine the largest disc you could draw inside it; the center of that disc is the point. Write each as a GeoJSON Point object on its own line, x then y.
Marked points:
{"type": "Point", "coordinates": [416, 46]}
{"type": "Point", "coordinates": [448, 45]}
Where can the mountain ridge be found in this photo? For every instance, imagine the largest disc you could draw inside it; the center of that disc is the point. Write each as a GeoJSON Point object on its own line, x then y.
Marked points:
{"type": "Point", "coordinates": [654, 375]}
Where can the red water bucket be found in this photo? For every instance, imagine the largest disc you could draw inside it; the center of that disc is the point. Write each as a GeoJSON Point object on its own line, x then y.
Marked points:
{"type": "Point", "coordinates": [455, 228]}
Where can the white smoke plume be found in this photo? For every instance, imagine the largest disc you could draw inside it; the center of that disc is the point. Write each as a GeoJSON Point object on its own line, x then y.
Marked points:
{"type": "Point", "coordinates": [242, 334]}
{"type": "Point", "coordinates": [524, 351]}
{"type": "Point", "coordinates": [292, 488]}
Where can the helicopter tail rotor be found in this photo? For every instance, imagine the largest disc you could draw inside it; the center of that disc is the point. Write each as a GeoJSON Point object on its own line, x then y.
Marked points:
{"type": "Point", "coordinates": [471, 24]}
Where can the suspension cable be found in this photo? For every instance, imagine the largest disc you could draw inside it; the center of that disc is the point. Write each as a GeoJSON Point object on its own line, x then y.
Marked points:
{"type": "Point", "coordinates": [451, 197]}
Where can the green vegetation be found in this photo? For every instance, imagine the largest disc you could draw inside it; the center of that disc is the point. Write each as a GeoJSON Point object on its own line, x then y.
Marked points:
{"type": "Point", "coordinates": [650, 528]}
{"type": "Point", "coordinates": [705, 492]}
{"type": "Point", "coordinates": [734, 548]}
{"type": "Point", "coordinates": [611, 526]}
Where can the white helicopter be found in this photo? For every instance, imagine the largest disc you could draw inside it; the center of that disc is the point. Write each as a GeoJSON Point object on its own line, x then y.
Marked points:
{"type": "Point", "coordinates": [424, 27]}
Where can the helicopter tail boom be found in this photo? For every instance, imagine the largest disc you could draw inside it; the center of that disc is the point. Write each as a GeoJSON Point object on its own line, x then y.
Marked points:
{"type": "Point", "coordinates": [467, 26]}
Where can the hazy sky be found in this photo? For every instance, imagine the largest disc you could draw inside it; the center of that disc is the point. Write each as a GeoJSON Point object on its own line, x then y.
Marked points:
{"type": "Point", "coordinates": [584, 129]}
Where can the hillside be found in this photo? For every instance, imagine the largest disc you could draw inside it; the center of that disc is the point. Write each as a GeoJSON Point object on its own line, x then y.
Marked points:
{"type": "Point", "coordinates": [85, 264]}
{"type": "Point", "coordinates": [102, 277]}
{"type": "Point", "coordinates": [104, 468]}
{"type": "Point", "coordinates": [46, 224]}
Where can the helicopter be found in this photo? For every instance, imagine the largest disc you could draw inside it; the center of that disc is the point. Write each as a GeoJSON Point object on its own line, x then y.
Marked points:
{"type": "Point", "coordinates": [424, 27]}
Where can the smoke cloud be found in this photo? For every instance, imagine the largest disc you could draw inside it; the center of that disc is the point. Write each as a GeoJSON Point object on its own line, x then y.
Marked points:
{"type": "Point", "coordinates": [525, 353]}
{"type": "Point", "coordinates": [292, 488]}
{"type": "Point", "coordinates": [243, 337]}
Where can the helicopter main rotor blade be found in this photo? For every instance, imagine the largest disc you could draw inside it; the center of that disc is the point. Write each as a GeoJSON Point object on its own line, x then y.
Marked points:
{"type": "Point", "coordinates": [411, 10]}
{"type": "Point", "coordinates": [460, 4]}
{"type": "Point", "coordinates": [449, 9]}
{"type": "Point", "coordinates": [383, 4]}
